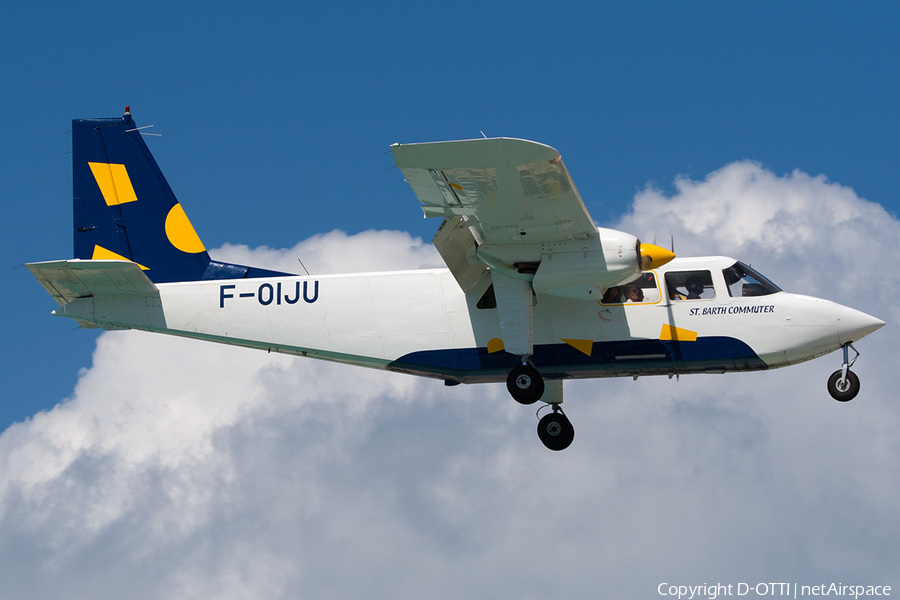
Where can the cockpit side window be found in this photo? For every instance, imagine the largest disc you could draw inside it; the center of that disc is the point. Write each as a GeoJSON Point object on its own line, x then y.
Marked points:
{"type": "Point", "coordinates": [743, 281]}
{"type": "Point", "coordinates": [642, 290]}
{"type": "Point", "coordinates": [690, 285]}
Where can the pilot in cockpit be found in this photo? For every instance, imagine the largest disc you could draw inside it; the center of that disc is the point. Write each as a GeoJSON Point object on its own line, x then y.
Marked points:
{"type": "Point", "coordinates": [694, 288]}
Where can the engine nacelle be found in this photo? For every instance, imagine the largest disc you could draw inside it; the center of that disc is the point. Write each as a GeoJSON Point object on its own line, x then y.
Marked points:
{"type": "Point", "coordinates": [581, 268]}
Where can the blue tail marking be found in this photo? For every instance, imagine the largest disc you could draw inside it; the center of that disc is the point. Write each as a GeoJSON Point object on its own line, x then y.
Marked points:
{"type": "Point", "coordinates": [124, 207]}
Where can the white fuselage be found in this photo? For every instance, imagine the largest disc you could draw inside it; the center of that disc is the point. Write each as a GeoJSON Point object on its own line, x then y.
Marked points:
{"type": "Point", "coordinates": [420, 322]}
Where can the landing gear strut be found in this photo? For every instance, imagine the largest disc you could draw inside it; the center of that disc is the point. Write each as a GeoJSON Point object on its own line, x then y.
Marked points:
{"type": "Point", "coordinates": [525, 384]}
{"type": "Point", "coordinates": [555, 430]}
{"type": "Point", "coordinates": [843, 385]}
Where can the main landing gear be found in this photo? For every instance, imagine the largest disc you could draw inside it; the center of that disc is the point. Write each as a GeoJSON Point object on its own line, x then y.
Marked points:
{"type": "Point", "coordinates": [555, 429]}
{"type": "Point", "coordinates": [843, 385]}
{"type": "Point", "coordinates": [526, 386]}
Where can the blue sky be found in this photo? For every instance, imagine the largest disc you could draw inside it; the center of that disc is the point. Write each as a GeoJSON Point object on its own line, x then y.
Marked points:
{"type": "Point", "coordinates": [276, 122]}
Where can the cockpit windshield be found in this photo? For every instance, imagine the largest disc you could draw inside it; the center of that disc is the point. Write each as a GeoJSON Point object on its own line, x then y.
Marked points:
{"type": "Point", "coordinates": [743, 281]}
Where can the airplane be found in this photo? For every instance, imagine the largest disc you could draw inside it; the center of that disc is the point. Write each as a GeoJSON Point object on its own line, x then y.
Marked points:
{"type": "Point", "coordinates": [534, 292]}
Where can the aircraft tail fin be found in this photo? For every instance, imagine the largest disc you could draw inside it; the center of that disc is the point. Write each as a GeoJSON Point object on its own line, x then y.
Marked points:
{"type": "Point", "coordinates": [124, 208]}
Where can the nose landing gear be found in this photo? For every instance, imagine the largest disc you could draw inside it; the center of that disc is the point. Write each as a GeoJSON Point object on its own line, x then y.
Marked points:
{"type": "Point", "coordinates": [843, 385]}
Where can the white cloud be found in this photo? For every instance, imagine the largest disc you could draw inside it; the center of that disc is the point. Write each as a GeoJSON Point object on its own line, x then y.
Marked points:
{"type": "Point", "coordinates": [336, 252]}
{"type": "Point", "coordinates": [814, 236]}
{"type": "Point", "coordinates": [190, 470]}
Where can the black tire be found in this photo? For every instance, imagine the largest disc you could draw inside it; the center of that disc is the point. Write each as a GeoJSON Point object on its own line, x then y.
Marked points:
{"type": "Point", "coordinates": [556, 431]}
{"type": "Point", "coordinates": [843, 395]}
{"type": "Point", "coordinates": [525, 384]}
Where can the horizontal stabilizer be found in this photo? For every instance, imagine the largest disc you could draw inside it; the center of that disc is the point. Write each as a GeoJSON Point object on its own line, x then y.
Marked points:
{"type": "Point", "coordinates": [67, 280]}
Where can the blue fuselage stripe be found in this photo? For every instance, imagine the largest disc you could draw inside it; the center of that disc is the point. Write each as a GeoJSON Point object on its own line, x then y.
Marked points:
{"type": "Point", "coordinates": [607, 358]}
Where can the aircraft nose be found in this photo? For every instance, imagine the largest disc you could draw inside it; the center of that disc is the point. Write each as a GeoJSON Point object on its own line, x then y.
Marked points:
{"type": "Point", "coordinates": [854, 324]}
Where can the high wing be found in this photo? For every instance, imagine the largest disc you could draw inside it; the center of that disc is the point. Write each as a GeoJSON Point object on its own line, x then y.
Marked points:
{"type": "Point", "coordinates": [509, 205]}
{"type": "Point", "coordinates": [510, 191]}
{"type": "Point", "coordinates": [502, 201]}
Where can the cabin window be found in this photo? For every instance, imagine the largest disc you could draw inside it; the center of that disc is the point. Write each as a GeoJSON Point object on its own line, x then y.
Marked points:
{"type": "Point", "coordinates": [690, 285]}
{"type": "Point", "coordinates": [743, 281]}
{"type": "Point", "coordinates": [488, 299]}
{"type": "Point", "coordinates": [642, 290]}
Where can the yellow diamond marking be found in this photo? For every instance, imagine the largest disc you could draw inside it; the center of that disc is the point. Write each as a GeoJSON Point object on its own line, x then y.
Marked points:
{"type": "Point", "coordinates": [114, 183]}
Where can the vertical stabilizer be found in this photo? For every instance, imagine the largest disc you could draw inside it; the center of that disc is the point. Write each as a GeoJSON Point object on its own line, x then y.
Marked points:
{"type": "Point", "coordinates": [125, 209]}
